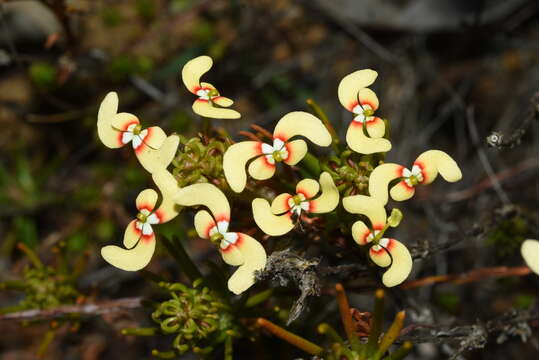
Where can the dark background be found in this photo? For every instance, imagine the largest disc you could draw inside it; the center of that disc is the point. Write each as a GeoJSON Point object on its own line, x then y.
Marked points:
{"type": "Point", "coordinates": [450, 73]}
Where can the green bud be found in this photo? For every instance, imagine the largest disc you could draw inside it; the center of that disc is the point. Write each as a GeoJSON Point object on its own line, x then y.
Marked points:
{"type": "Point", "coordinates": [395, 218]}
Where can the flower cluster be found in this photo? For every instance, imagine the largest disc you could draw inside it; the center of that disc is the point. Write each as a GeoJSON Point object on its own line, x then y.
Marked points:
{"type": "Point", "coordinates": [366, 135]}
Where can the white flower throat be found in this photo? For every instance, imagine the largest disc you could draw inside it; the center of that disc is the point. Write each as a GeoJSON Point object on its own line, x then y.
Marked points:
{"type": "Point", "coordinates": [220, 233]}
{"type": "Point", "coordinates": [276, 153]}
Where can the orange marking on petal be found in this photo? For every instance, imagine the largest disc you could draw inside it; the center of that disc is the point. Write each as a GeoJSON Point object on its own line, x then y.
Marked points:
{"type": "Point", "coordinates": [222, 217]}
{"type": "Point", "coordinates": [388, 248]}
{"type": "Point", "coordinates": [373, 121]}
{"type": "Point", "coordinates": [352, 106]}
{"type": "Point", "coordinates": [365, 102]}
{"type": "Point", "coordinates": [423, 172]}
{"type": "Point", "coordinates": [405, 186]}
{"type": "Point", "coordinates": [281, 137]}
{"type": "Point", "coordinates": [147, 238]}
{"type": "Point", "coordinates": [238, 243]}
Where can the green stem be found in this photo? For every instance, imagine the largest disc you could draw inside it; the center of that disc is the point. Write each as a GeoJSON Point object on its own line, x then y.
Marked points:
{"type": "Point", "coordinates": [401, 352]}
{"type": "Point", "coordinates": [258, 298]}
{"type": "Point", "coordinates": [377, 321]}
{"type": "Point", "coordinates": [163, 354]}
{"type": "Point", "coordinates": [228, 349]}
{"type": "Point", "coordinates": [291, 338]}
{"type": "Point", "coordinates": [346, 317]}
{"type": "Point", "coordinates": [47, 340]}
{"type": "Point", "coordinates": [140, 331]}
{"type": "Point", "coordinates": [391, 335]}
{"type": "Point", "coordinates": [30, 254]}
{"type": "Point", "coordinates": [311, 164]}
{"type": "Point", "coordinates": [326, 329]}
{"type": "Point", "coordinates": [176, 249]}
{"type": "Point", "coordinates": [322, 115]}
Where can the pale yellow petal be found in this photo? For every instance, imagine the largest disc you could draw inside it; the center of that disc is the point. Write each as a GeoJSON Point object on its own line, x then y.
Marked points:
{"type": "Point", "coordinates": [376, 128]}
{"type": "Point", "coordinates": [121, 121]}
{"type": "Point", "coordinates": [223, 101]}
{"type": "Point", "coordinates": [368, 97]}
{"type": "Point", "coordinates": [107, 111]}
{"type": "Point", "coordinates": [232, 254]}
{"type": "Point", "coordinates": [254, 257]}
{"type": "Point", "coordinates": [147, 199]}
{"type": "Point", "coordinates": [280, 205]}
{"type": "Point", "coordinates": [308, 187]}
{"type": "Point", "coordinates": [401, 262]}
{"type": "Point", "coordinates": [328, 199]}
{"type": "Point", "coordinates": [269, 223]}
{"type": "Point", "coordinates": [130, 259]}
{"type": "Point", "coordinates": [207, 195]}
{"type": "Point", "coordinates": [380, 178]}
{"type": "Point", "coordinates": [155, 138]}
{"type": "Point", "coordinates": [357, 141]}
{"type": "Point", "coordinates": [193, 70]}
{"type": "Point", "coordinates": [433, 162]}
{"type": "Point", "coordinates": [296, 151]}
{"type": "Point", "coordinates": [401, 191]}
{"type": "Point", "coordinates": [203, 224]}
{"type": "Point", "coordinates": [168, 186]}
{"type": "Point", "coordinates": [206, 109]}
{"type": "Point", "coordinates": [351, 84]}
{"type": "Point", "coordinates": [304, 124]}
{"type": "Point", "coordinates": [368, 206]}
{"type": "Point", "coordinates": [234, 161]}
{"type": "Point", "coordinates": [360, 231]}
{"type": "Point", "coordinates": [131, 235]}
{"type": "Point", "coordinates": [261, 169]}
{"type": "Point", "coordinates": [530, 253]}
{"type": "Point", "coordinates": [156, 160]}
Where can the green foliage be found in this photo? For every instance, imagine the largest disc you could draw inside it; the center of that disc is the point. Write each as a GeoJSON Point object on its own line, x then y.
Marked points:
{"type": "Point", "coordinates": [448, 301]}
{"type": "Point", "coordinates": [43, 75]}
{"type": "Point", "coordinates": [508, 235]}
{"type": "Point", "coordinates": [124, 66]}
{"type": "Point", "coordinates": [200, 161]}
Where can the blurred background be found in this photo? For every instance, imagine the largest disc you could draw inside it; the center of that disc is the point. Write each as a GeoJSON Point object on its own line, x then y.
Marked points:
{"type": "Point", "coordinates": [450, 73]}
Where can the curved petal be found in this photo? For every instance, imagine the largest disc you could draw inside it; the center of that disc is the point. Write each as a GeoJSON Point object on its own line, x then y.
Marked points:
{"type": "Point", "coordinates": [380, 178]}
{"type": "Point", "coordinates": [400, 262]}
{"type": "Point", "coordinates": [269, 223]}
{"type": "Point", "coordinates": [357, 141]}
{"type": "Point", "coordinates": [223, 101]}
{"type": "Point", "coordinates": [352, 83]}
{"type": "Point", "coordinates": [360, 231]}
{"type": "Point", "coordinates": [156, 160]}
{"type": "Point", "coordinates": [203, 224]}
{"type": "Point", "coordinates": [296, 151]}
{"type": "Point", "coordinates": [261, 169]}
{"type": "Point", "coordinates": [121, 121]}
{"type": "Point", "coordinates": [304, 124]}
{"type": "Point", "coordinates": [254, 257]}
{"type": "Point", "coordinates": [376, 128]}
{"type": "Point", "coordinates": [368, 206]}
{"type": "Point", "coordinates": [193, 70]}
{"type": "Point", "coordinates": [234, 161]}
{"type": "Point", "coordinates": [155, 137]}
{"type": "Point", "coordinates": [131, 235]}
{"type": "Point", "coordinates": [401, 191]}
{"type": "Point", "coordinates": [133, 259]}
{"type": "Point", "coordinates": [206, 109]}
{"type": "Point", "coordinates": [280, 205]}
{"type": "Point", "coordinates": [107, 111]}
{"type": "Point", "coordinates": [205, 194]}
{"type": "Point", "coordinates": [308, 187]}
{"type": "Point", "coordinates": [530, 253]}
{"type": "Point", "coordinates": [232, 254]}
{"type": "Point", "coordinates": [368, 97]}
{"type": "Point", "coordinates": [147, 199]}
{"type": "Point", "coordinates": [433, 162]}
{"type": "Point", "coordinates": [328, 199]}
{"type": "Point", "coordinates": [168, 186]}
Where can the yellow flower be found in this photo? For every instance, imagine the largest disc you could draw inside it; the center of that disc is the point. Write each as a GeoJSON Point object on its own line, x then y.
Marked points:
{"type": "Point", "coordinates": [283, 149]}
{"type": "Point", "coordinates": [237, 249]}
{"type": "Point", "coordinates": [530, 253]}
{"type": "Point", "coordinates": [153, 148]}
{"type": "Point", "coordinates": [278, 219]}
{"type": "Point", "coordinates": [139, 236]}
{"type": "Point", "coordinates": [424, 171]}
{"type": "Point", "coordinates": [363, 102]}
{"type": "Point", "coordinates": [209, 103]}
{"type": "Point", "coordinates": [384, 252]}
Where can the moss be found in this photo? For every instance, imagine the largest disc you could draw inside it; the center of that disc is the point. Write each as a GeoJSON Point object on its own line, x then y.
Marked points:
{"type": "Point", "coordinates": [508, 236]}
